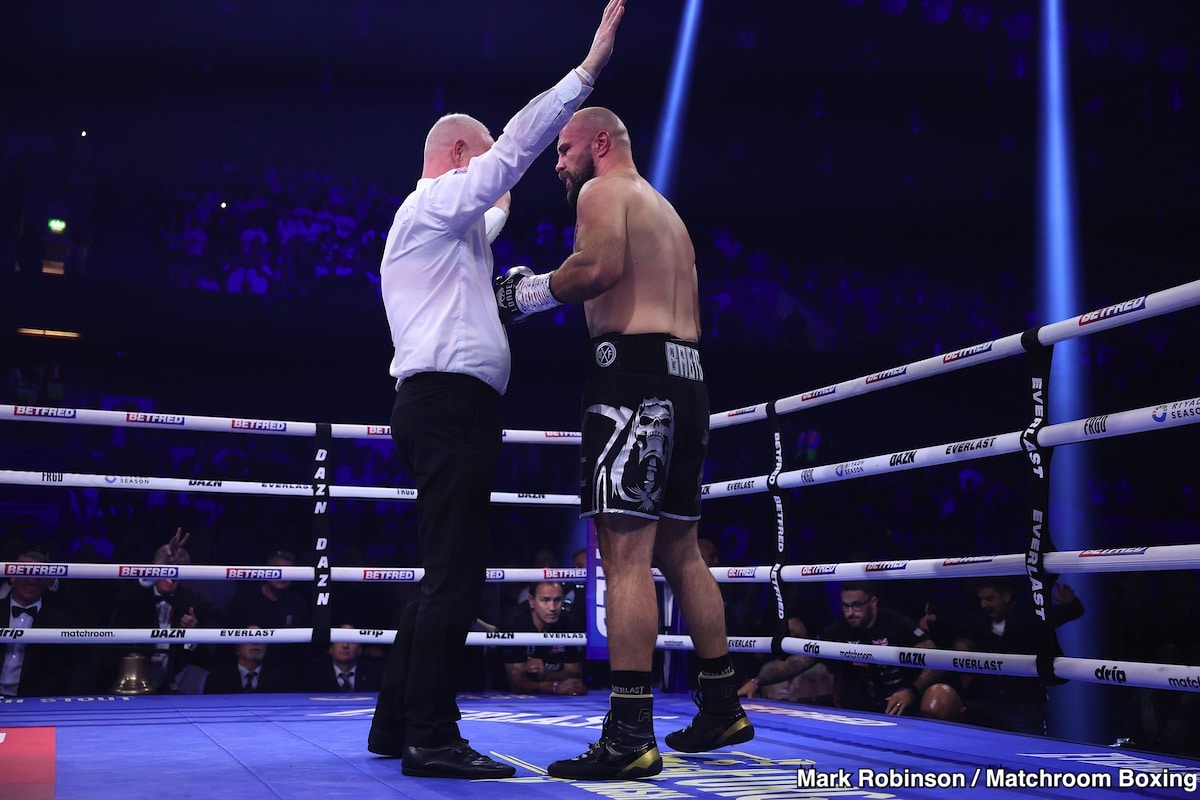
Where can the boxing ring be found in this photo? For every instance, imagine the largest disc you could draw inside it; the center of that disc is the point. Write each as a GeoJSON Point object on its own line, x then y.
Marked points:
{"type": "Point", "coordinates": [293, 745]}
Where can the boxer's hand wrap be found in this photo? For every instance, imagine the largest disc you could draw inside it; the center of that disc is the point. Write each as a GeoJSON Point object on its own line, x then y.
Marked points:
{"type": "Point", "coordinates": [520, 293]}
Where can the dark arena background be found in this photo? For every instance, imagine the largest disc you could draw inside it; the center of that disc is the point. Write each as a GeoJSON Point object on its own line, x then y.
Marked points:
{"type": "Point", "coordinates": [193, 202]}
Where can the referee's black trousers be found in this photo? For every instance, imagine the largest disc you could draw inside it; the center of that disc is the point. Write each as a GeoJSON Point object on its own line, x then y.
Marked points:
{"type": "Point", "coordinates": [447, 432]}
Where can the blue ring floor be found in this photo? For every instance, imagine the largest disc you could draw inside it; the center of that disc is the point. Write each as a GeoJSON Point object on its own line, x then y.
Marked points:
{"type": "Point", "coordinates": [303, 746]}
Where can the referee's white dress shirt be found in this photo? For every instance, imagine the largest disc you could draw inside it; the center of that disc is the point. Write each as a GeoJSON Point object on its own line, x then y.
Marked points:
{"type": "Point", "coordinates": [436, 274]}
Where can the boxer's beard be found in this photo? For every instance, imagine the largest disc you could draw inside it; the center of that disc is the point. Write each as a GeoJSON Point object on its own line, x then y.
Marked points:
{"type": "Point", "coordinates": [578, 179]}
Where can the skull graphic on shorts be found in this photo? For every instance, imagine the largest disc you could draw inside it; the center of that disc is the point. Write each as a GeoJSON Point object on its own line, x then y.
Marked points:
{"type": "Point", "coordinates": [644, 477]}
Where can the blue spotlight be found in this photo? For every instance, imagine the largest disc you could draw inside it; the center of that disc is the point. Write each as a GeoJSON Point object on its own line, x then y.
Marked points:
{"type": "Point", "coordinates": [666, 148]}
{"type": "Point", "coordinates": [1076, 710]}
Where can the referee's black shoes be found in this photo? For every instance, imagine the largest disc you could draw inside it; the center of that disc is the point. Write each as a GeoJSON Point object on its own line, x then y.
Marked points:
{"type": "Point", "coordinates": [456, 760]}
{"type": "Point", "coordinates": [383, 742]}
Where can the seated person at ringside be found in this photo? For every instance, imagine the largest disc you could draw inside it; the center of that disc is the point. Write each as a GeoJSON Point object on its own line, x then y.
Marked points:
{"type": "Point", "coordinates": [548, 668]}
{"type": "Point", "coordinates": [343, 668]}
{"type": "Point", "coordinates": [249, 672]}
{"type": "Point", "coordinates": [1004, 622]}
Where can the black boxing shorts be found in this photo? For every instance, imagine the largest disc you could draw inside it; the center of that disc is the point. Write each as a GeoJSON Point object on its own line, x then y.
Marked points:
{"type": "Point", "coordinates": [645, 427]}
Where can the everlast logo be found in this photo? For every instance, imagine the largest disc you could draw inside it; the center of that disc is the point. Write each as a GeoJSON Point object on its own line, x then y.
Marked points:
{"type": "Point", "coordinates": [1096, 425]}
{"type": "Point", "coordinates": [912, 659]}
{"type": "Point", "coordinates": [501, 635]}
{"type": "Point", "coordinates": [808, 476]}
{"type": "Point", "coordinates": [741, 643]}
{"type": "Point", "coordinates": [167, 633]}
{"type": "Point", "coordinates": [195, 482]}
{"type": "Point", "coordinates": [1111, 674]}
{"type": "Point", "coordinates": [737, 486]}
{"type": "Point", "coordinates": [812, 648]}
{"type": "Point", "coordinates": [898, 459]}
{"type": "Point", "coordinates": [1030, 436]}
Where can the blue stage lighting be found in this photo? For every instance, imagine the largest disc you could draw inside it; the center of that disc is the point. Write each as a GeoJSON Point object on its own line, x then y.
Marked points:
{"type": "Point", "coordinates": [666, 147]}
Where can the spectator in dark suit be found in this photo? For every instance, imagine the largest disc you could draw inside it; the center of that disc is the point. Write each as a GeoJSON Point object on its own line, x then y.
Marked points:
{"type": "Point", "coordinates": [31, 670]}
{"type": "Point", "coordinates": [344, 669]}
{"type": "Point", "coordinates": [164, 604]}
{"type": "Point", "coordinates": [249, 672]}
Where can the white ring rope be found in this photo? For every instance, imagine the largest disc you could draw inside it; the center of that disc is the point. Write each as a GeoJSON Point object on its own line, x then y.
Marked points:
{"type": "Point", "coordinates": [1115, 559]}
{"type": "Point", "coordinates": [1131, 673]}
{"type": "Point", "coordinates": [1101, 319]}
{"type": "Point", "coordinates": [1164, 415]}
{"type": "Point", "coordinates": [1138, 420]}
{"type": "Point", "coordinates": [79, 480]}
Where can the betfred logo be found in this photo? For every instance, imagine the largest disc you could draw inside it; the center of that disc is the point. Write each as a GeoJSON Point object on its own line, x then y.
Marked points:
{"type": "Point", "coordinates": [967, 352]}
{"type": "Point", "coordinates": [1128, 307]}
{"type": "Point", "coordinates": [494, 575]}
{"type": "Point", "coordinates": [560, 434]}
{"type": "Point", "coordinates": [818, 569]}
{"type": "Point", "coordinates": [389, 575]}
{"type": "Point", "coordinates": [887, 374]}
{"type": "Point", "coordinates": [886, 566]}
{"type": "Point", "coordinates": [815, 393]}
{"type": "Point", "coordinates": [958, 562]}
{"type": "Point", "coordinates": [257, 425]}
{"type": "Point", "coordinates": [27, 570]}
{"type": "Point", "coordinates": [1112, 551]}
{"type": "Point", "coordinates": [154, 419]}
{"type": "Point", "coordinates": [740, 572]}
{"type": "Point", "coordinates": [38, 411]}
{"type": "Point", "coordinates": [738, 412]}
{"type": "Point", "coordinates": [254, 573]}
{"type": "Point", "coordinates": [379, 430]}
{"type": "Point", "coordinates": [158, 573]}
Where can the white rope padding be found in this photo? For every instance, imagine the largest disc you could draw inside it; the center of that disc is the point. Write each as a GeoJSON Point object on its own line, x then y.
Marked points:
{"type": "Point", "coordinates": [1139, 308]}
{"type": "Point", "coordinates": [156, 635]}
{"type": "Point", "coordinates": [79, 480]}
{"type": "Point", "coordinates": [197, 422]}
{"type": "Point", "coordinates": [1131, 673]}
{"type": "Point", "coordinates": [1113, 559]}
{"type": "Point", "coordinates": [1138, 420]}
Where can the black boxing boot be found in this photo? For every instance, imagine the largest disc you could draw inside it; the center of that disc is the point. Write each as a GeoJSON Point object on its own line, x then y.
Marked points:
{"type": "Point", "coordinates": [721, 720]}
{"type": "Point", "coordinates": [626, 749]}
